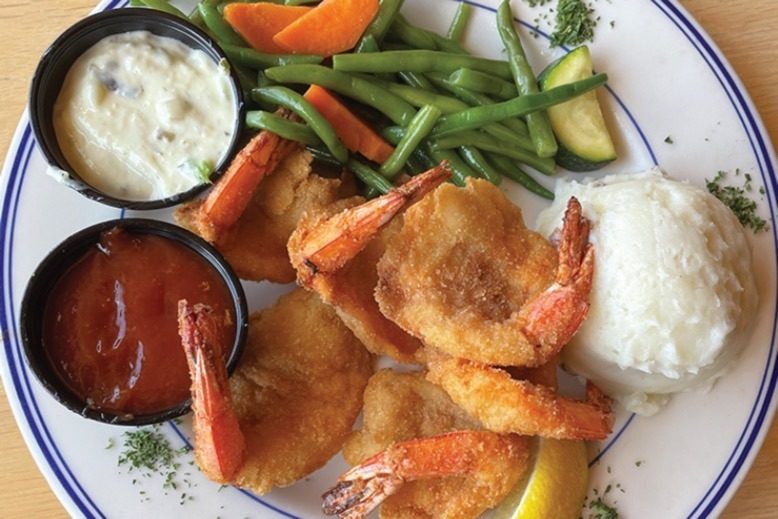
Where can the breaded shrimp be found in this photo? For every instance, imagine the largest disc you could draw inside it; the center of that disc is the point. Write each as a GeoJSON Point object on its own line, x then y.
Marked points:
{"type": "Point", "coordinates": [459, 476]}
{"type": "Point", "coordinates": [290, 404]}
{"type": "Point", "coordinates": [507, 405]}
{"type": "Point", "coordinates": [465, 275]}
{"type": "Point", "coordinates": [250, 213]}
{"type": "Point", "coordinates": [335, 253]}
{"type": "Point", "coordinates": [255, 246]}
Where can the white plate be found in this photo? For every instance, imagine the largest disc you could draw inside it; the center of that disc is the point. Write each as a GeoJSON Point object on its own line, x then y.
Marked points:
{"type": "Point", "coordinates": [666, 79]}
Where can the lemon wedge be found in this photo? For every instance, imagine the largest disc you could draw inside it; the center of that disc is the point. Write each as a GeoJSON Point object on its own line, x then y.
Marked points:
{"type": "Point", "coordinates": [555, 485]}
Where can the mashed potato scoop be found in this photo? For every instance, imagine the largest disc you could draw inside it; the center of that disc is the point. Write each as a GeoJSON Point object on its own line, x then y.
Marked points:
{"type": "Point", "coordinates": [673, 293]}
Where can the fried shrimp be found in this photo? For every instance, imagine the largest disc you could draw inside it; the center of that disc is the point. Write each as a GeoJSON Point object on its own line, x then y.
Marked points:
{"type": "Point", "coordinates": [504, 404]}
{"type": "Point", "coordinates": [335, 252]}
{"type": "Point", "coordinates": [486, 460]}
{"type": "Point", "coordinates": [465, 275]}
{"type": "Point", "coordinates": [213, 216]}
{"type": "Point", "coordinates": [402, 408]}
{"type": "Point", "coordinates": [250, 213]}
{"type": "Point", "coordinates": [291, 403]}
{"type": "Point", "coordinates": [256, 244]}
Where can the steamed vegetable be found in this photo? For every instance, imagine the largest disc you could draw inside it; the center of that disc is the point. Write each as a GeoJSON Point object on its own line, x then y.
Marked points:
{"type": "Point", "coordinates": [258, 23]}
{"type": "Point", "coordinates": [355, 134]}
{"type": "Point", "coordinates": [293, 101]}
{"type": "Point", "coordinates": [537, 121]}
{"type": "Point", "coordinates": [585, 144]}
{"type": "Point", "coordinates": [331, 27]}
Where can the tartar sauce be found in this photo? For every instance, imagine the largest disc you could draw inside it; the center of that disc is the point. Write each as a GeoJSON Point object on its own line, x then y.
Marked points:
{"type": "Point", "coordinates": [144, 117]}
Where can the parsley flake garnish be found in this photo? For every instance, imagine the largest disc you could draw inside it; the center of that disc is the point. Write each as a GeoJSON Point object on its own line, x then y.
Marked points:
{"type": "Point", "coordinates": [602, 511]}
{"type": "Point", "coordinates": [574, 23]}
{"type": "Point", "coordinates": [736, 199]}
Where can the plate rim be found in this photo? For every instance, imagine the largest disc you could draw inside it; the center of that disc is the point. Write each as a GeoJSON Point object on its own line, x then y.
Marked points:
{"type": "Point", "coordinates": [720, 491]}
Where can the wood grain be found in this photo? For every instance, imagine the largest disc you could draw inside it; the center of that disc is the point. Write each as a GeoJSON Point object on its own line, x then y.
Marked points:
{"type": "Point", "coordinates": [744, 29]}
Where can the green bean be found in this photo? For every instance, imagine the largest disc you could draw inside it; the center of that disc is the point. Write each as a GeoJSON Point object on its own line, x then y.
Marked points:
{"type": "Point", "coordinates": [418, 129]}
{"type": "Point", "coordinates": [412, 36]}
{"type": "Point", "coordinates": [459, 23]}
{"type": "Point", "coordinates": [323, 156]}
{"type": "Point", "coordinates": [459, 168]}
{"type": "Point", "coordinates": [418, 61]}
{"type": "Point", "coordinates": [387, 11]}
{"type": "Point", "coordinates": [217, 25]}
{"type": "Point", "coordinates": [399, 111]}
{"type": "Point", "coordinates": [263, 80]}
{"type": "Point", "coordinates": [485, 83]}
{"type": "Point", "coordinates": [519, 176]}
{"type": "Point", "coordinates": [417, 80]}
{"type": "Point", "coordinates": [484, 142]}
{"type": "Point", "coordinates": [369, 177]}
{"type": "Point", "coordinates": [368, 43]}
{"type": "Point", "coordinates": [416, 164]}
{"type": "Point", "coordinates": [419, 38]}
{"type": "Point", "coordinates": [258, 60]}
{"type": "Point", "coordinates": [468, 96]}
{"type": "Point", "coordinates": [290, 99]}
{"type": "Point", "coordinates": [478, 162]}
{"type": "Point", "coordinates": [419, 97]}
{"type": "Point", "coordinates": [477, 99]}
{"type": "Point", "coordinates": [160, 5]}
{"type": "Point", "coordinates": [448, 105]}
{"type": "Point", "coordinates": [394, 134]}
{"type": "Point", "coordinates": [282, 127]}
{"type": "Point", "coordinates": [478, 116]}
{"type": "Point", "coordinates": [247, 82]}
{"type": "Point", "coordinates": [197, 19]}
{"type": "Point", "coordinates": [538, 123]}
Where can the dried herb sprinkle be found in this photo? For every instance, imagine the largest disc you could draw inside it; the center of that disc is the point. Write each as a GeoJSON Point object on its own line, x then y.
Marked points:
{"type": "Point", "coordinates": [149, 452]}
{"type": "Point", "coordinates": [599, 510]}
{"type": "Point", "coordinates": [737, 200]}
{"type": "Point", "coordinates": [575, 23]}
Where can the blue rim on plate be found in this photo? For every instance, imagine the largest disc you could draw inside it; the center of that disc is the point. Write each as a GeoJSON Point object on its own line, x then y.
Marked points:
{"type": "Point", "coordinates": [719, 490]}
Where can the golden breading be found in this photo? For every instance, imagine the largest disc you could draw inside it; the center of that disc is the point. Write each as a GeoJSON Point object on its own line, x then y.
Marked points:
{"type": "Point", "coordinates": [460, 270]}
{"type": "Point", "coordinates": [403, 406]}
{"type": "Point", "coordinates": [297, 390]}
{"type": "Point", "coordinates": [256, 246]}
{"type": "Point", "coordinates": [350, 290]}
{"type": "Point", "coordinates": [532, 407]}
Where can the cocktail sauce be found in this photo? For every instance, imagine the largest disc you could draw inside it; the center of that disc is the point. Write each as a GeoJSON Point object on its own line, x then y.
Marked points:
{"type": "Point", "coordinates": [110, 326]}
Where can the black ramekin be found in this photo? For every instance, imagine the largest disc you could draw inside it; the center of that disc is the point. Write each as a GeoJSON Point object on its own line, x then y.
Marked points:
{"type": "Point", "coordinates": [60, 56]}
{"type": "Point", "coordinates": [57, 263]}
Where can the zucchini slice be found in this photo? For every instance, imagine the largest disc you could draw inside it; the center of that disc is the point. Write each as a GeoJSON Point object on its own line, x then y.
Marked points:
{"type": "Point", "coordinates": [584, 141]}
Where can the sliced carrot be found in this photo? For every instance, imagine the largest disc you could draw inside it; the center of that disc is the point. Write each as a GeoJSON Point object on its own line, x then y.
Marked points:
{"type": "Point", "coordinates": [355, 134]}
{"type": "Point", "coordinates": [331, 27]}
{"type": "Point", "coordinates": [259, 22]}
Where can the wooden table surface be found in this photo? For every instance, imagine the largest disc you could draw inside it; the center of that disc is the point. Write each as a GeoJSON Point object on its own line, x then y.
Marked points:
{"type": "Point", "coordinates": [744, 29]}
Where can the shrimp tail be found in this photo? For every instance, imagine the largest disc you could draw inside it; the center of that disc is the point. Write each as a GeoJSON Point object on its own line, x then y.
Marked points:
{"type": "Point", "coordinates": [219, 442]}
{"type": "Point", "coordinates": [367, 485]}
{"type": "Point", "coordinates": [213, 217]}
{"type": "Point", "coordinates": [330, 244]}
{"type": "Point", "coordinates": [362, 489]}
{"type": "Point", "coordinates": [554, 316]}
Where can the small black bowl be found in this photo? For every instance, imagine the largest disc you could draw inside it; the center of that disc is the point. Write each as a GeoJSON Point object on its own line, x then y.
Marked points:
{"type": "Point", "coordinates": [64, 256]}
{"type": "Point", "coordinates": [71, 44]}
